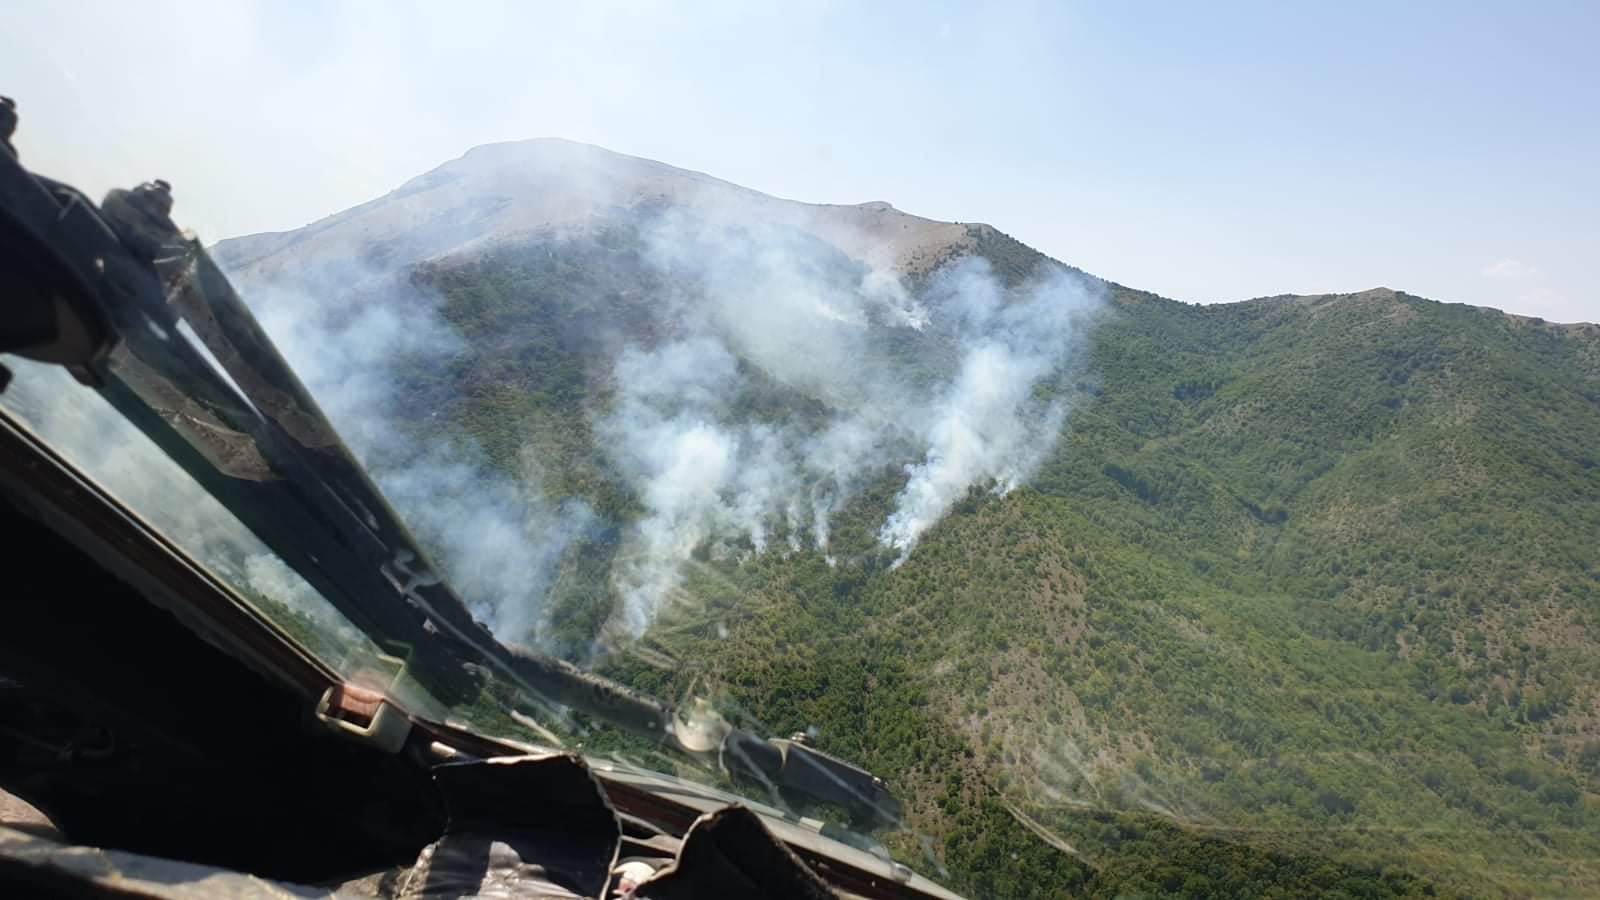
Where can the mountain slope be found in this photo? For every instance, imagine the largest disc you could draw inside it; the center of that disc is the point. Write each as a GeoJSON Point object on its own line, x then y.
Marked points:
{"type": "Point", "coordinates": [1299, 588]}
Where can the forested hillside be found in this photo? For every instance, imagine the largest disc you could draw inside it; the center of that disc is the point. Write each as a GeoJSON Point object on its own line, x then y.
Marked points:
{"type": "Point", "coordinates": [1313, 574]}
{"type": "Point", "coordinates": [1303, 598]}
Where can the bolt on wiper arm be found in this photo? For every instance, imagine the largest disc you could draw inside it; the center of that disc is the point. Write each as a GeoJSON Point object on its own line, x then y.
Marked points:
{"type": "Point", "coordinates": [273, 459]}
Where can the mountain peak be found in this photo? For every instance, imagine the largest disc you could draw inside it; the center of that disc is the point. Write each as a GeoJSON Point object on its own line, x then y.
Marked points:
{"type": "Point", "coordinates": [500, 192]}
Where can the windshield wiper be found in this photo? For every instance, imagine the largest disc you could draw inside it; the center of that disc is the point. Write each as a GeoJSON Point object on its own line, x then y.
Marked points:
{"type": "Point", "coordinates": [102, 291]}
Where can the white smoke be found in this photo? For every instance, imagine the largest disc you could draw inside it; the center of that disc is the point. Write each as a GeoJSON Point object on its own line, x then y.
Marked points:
{"type": "Point", "coordinates": [500, 544]}
{"type": "Point", "coordinates": [762, 307]}
{"type": "Point", "coordinates": [498, 540]}
{"type": "Point", "coordinates": [698, 478]}
{"type": "Point", "coordinates": [985, 428]}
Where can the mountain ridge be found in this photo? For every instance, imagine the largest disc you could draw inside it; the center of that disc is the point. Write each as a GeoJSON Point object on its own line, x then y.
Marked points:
{"type": "Point", "coordinates": [554, 156]}
{"type": "Point", "coordinates": [521, 187]}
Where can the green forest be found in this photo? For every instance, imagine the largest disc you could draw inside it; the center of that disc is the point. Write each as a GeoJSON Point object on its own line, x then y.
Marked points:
{"type": "Point", "coordinates": [1305, 600]}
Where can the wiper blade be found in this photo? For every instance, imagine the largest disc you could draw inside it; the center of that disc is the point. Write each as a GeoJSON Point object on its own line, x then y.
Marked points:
{"type": "Point", "coordinates": [273, 459]}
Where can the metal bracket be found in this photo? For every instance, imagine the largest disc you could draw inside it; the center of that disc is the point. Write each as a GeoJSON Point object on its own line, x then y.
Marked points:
{"type": "Point", "coordinates": [364, 715]}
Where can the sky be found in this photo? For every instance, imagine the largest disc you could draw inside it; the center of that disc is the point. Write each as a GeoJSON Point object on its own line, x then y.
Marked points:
{"type": "Point", "coordinates": [1207, 152]}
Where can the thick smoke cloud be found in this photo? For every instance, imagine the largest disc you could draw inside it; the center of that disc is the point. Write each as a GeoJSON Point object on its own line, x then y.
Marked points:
{"type": "Point", "coordinates": [760, 309]}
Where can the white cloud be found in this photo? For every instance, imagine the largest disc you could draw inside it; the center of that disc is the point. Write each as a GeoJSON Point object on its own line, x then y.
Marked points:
{"type": "Point", "coordinates": [1509, 268]}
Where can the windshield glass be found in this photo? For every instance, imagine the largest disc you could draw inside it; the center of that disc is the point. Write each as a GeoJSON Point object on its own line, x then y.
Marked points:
{"type": "Point", "coordinates": [101, 444]}
{"type": "Point", "coordinates": [1111, 592]}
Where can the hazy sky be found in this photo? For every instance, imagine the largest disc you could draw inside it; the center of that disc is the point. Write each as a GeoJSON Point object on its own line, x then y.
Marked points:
{"type": "Point", "coordinates": [1206, 151]}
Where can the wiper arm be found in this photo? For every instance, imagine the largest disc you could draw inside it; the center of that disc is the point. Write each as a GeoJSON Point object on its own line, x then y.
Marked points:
{"type": "Point", "coordinates": [127, 275]}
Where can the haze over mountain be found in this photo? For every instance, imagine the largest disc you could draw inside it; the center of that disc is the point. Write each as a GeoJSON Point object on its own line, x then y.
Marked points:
{"type": "Point", "coordinates": [1123, 594]}
{"type": "Point", "coordinates": [500, 193]}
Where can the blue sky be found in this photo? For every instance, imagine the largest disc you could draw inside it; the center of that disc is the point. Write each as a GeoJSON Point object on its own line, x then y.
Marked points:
{"type": "Point", "coordinates": [1204, 151]}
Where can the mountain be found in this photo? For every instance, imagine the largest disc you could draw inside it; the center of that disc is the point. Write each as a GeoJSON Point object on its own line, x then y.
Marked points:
{"type": "Point", "coordinates": [1126, 596]}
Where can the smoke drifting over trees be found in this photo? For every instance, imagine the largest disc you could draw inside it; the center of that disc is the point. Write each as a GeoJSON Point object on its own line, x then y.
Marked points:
{"type": "Point", "coordinates": [777, 360]}
{"type": "Point", "coordinates": [941, 384]}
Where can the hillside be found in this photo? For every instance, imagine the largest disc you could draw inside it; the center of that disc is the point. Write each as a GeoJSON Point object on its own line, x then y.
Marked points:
{"type": "Point", "coordinates": [1295, 595]}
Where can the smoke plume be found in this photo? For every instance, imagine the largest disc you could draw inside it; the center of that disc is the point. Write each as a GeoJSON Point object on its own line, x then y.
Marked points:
{"type": "Point", "coordinates": [498, 540]}
{"type": "Point", "coordinates": [773, 311]}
